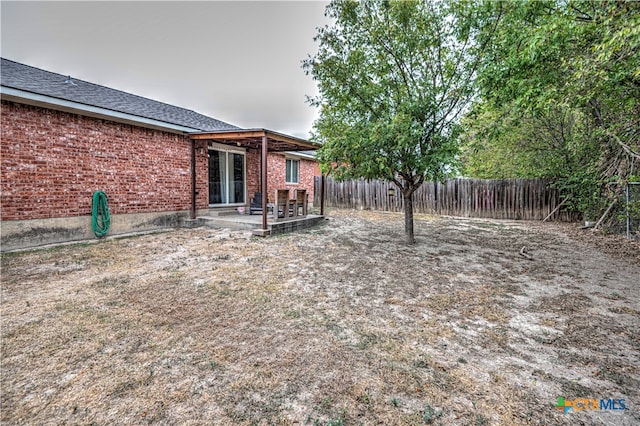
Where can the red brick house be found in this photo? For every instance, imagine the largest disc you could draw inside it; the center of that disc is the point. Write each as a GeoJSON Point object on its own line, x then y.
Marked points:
{"type": "Point", "coordinates": [62, 139]}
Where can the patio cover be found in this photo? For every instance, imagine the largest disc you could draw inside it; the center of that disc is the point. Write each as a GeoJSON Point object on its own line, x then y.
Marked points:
{"type": "Point", "coordinates": [263, 139]}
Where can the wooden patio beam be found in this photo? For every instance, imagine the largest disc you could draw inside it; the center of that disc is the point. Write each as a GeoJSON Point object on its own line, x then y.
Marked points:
{"type": "Point", "coordinates": [264, 189]}
{"type": "Point", "coordinates": [278, 141]}
{"type": "Point", "coordinates": [322, 185]}
{"type": "Point", "coordinates": [230, 135]}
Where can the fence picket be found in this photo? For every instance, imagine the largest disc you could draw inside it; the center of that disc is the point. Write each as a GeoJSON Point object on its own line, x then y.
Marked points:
{"type": "Point", "coordinates": [529, 199]}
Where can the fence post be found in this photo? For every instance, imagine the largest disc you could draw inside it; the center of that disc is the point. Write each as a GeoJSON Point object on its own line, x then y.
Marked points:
{"type": "Point", "coordinates": [628, 213]}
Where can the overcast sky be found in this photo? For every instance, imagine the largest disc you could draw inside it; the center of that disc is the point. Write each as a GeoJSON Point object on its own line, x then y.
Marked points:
{"type": "Point", "coordinates": [235, 61]}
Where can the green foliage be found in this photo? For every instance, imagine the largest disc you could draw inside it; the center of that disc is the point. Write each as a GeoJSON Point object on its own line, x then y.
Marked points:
{"type": "Point", "coordinates": [559, 96]}
{"type": "Point", "coordinates": [394, 78]}
{"type": "Point", "coordinates": [555, 87]}
{"type": "Point", "coordinates": [536, 145]}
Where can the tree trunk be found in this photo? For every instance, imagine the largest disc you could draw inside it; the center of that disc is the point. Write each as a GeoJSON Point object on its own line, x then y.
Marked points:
{"type": "Point", "coordinates": [408, 217]}
{"type": "Point", "coordinates": [408, 186]}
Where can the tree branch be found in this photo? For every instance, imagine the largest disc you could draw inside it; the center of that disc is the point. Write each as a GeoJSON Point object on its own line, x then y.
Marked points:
{"type": "Point", "coordinates": [401, 67]}
{"type": "Point", "coordinates": [471, 72]}
{"type": "Point", "coordinates": [583, 15]}
{"type": "Point", "coordinates": [555, 210]}
{"type": "Point", "coordinates": [624, 146]}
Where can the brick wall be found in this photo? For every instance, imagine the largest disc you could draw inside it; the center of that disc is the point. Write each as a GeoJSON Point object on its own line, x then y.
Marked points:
{"type": "Point", "coordinates": [277, 174]}
{"type": "Point", "coordinates": [254, 157]}
{"type": "Point", "coordinates": [308, 169]}
{"type": "Point", "coordinates": [202, 176]}
{"type": "Point", "coordinates": [53, 161]}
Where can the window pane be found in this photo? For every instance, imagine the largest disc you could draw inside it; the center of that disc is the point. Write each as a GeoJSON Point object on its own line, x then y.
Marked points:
{"type": "Point", "coordinates": [292, 169]}
{"type": "Point", "coordinates": [236, 178]}
{"type": "Point", "coordinates": [217, 177]}
{"type": "Point", "coordinates": [226, 177]}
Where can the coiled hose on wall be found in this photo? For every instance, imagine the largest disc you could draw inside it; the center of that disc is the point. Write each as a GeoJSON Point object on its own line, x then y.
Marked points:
{"type": "Point", "coordinates": [100, 217]}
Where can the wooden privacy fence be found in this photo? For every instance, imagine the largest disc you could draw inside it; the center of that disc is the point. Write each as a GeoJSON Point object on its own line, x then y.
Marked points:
{"type": "Point", "coordinates": [527, 199]}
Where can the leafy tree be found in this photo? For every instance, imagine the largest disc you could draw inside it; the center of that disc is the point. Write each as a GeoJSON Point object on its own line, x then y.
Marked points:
{"type": "Point", "coordinates": [394, 77]}
{"type": "Point", "coordinates": [551, 61]}
{"type": "Point", "coordinates": [555, 143]}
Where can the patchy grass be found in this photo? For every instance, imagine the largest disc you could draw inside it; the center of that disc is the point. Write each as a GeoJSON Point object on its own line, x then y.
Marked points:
{"type": "Point", "coordinates": [338, 325]}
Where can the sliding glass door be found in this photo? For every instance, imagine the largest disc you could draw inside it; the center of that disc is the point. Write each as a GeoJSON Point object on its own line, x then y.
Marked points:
{"type": "Point", "coordinates": [227, 182]}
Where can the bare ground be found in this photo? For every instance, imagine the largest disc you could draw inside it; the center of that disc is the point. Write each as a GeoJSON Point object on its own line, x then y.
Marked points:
{"type": "Point", "coordinates": [341, 324]}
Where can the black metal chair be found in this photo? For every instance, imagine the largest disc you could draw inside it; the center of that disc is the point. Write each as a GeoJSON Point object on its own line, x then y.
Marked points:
{"type": "Point", "coordinates": [256, 203]}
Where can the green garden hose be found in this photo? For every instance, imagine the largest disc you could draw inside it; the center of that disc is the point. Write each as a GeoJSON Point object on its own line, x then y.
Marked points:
{"type": "Point", "coordinates": [100, 218]}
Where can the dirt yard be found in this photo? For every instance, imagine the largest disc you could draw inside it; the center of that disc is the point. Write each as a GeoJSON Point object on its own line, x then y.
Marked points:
{"type": "Point", "coordinates": [343, 324]}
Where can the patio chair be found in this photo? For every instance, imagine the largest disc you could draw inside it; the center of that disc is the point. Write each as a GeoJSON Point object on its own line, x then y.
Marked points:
{"type": "Point", "coordinates": [282, 204]}
{"type": "Point", "coordinates": [302, 200]}
{"type": "Point", "coordinates": [255, 204]}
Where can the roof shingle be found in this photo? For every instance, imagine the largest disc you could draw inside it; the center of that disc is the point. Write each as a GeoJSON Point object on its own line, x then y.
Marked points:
{"type": "Point", "coordinates": [35, 80]}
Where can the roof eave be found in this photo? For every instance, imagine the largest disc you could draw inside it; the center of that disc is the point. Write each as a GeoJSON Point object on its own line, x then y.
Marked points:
{"type": "Point", "coordinates": [293, 143]}
{"type": "Point", "coordinates": [35, 99]}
